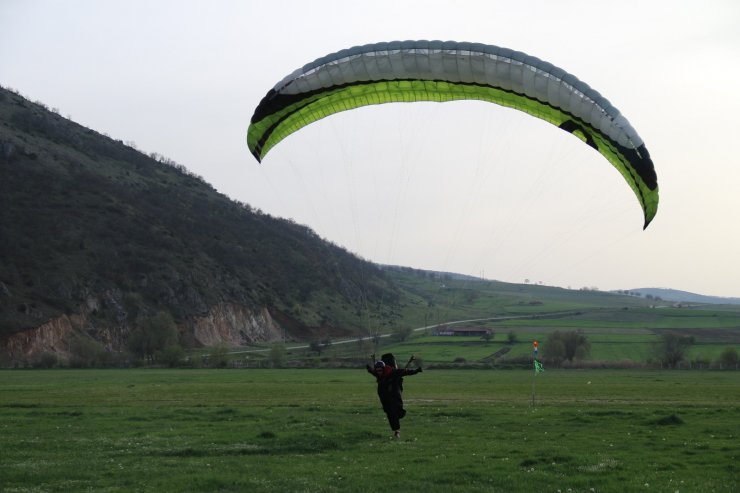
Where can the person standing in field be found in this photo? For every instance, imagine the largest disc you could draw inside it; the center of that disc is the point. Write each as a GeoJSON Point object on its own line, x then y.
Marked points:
{"type": "Point", "coordinates": [390, 388]}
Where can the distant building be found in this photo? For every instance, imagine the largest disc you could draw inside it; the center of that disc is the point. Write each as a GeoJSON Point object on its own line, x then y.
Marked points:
{"type": "Point", "coordinates": [463, 331]}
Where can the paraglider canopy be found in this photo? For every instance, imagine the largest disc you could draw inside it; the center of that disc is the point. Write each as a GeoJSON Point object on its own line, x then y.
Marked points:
{"type": "Point", "coordinates": [410, 71]}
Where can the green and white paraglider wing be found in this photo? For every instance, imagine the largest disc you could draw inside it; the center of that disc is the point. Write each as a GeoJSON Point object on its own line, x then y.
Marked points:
{"type": "Point", "coordinates": [409, 71]}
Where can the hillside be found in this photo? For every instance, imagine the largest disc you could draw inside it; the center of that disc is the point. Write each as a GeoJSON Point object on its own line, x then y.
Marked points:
{"type": "Point", "coordinates": [104, 247]}
{"type": "Point", "coordinates": [96, 237]}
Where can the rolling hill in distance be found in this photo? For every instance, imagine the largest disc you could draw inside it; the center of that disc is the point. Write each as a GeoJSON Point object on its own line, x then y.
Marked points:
{"type": "Point", "coordinates": [678, 296]}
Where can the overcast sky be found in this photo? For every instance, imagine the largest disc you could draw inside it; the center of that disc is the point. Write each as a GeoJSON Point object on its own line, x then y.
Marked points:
{"type": "Point", "coordinates": [468, 187]}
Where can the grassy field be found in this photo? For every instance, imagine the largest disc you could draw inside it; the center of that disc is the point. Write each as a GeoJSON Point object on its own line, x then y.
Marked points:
{"type": "Point", "coordinates": [605, 347]}
{"type": "Point", "coordinates": [618, 336]}
{"type": "Point", "coordinates": [323, 430]}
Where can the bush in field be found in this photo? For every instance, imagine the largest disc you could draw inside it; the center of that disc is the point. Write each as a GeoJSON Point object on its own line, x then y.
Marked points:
{"type": "Point", "coordinates": [276, 357]}
{"type": "Point", "coordinates": [566, 346]}
{"type": "Point", "coordinates": [554, 350]}
{"type": "Point", "coordinates": [315, 346]}
{"type": "Point", "coordinates": [172, 356]}
{"type": "Point", "coordinates": [728, 359]}
{"type": "Point", "coordinates": [46, 360]}
{"type": "Point", "coordinates": [218, 357]}
{"type": "Point", "coordinates": [512, 338]}
{"type": "Point", "coordinates": [87, 353]}
{"type": "Point", "coordinates": [402, 333]}
{"type": "Point", "coordinates": [318, 347]}
{"type": "Point", "coordinates": [700, 362]}
{"type": "Point", "coordinates": [672, 348]}
{"type": "Point", "coordinates": [195, 360]}
{"type": "Point", "coordinates": [153, 335]}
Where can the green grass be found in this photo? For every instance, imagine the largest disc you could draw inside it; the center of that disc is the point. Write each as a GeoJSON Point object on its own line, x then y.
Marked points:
{"type": "Point", "coordinates": [323, 430]}
{"type": "Point", "coordinates": [607, 345]}
{"type": "Point", "coordinates": [617, 336]}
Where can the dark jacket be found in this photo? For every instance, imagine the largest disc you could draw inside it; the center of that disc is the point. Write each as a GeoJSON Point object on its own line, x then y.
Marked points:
{"type": "Point", "coordinates": [390, 383]}
{"type": "Point", "coordinates": [390, 391]}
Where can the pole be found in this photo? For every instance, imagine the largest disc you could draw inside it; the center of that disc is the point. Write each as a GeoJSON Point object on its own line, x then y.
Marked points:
{"type": "Point", "coordinates": [535, 347]}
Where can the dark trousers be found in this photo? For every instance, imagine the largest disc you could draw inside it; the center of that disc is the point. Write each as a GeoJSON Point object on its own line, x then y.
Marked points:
{"type": "Point", "coordinates": [393, 407]}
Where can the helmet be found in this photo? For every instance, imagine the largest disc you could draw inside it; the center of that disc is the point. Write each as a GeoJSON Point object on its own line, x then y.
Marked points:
{"type": "Point", "coordinates": [389, 359]}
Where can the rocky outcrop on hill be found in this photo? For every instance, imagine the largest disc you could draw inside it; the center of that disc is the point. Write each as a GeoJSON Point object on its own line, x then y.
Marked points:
{"type": "Point", "coordinates": [235, 325]}
{"type": "Point", "coordinates": [225, 323]}
{"type": "Point", "coordinates": [51, 337]}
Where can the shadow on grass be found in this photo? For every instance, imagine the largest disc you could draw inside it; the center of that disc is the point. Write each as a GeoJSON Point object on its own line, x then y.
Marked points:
{"type": "Point", "coordinates": [269, 443]}
{"type": "Point", "coordinates": [671, 420]}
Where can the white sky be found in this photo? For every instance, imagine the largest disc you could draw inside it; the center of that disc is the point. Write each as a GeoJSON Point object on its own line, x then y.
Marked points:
{"type": "Point", "coordinates": [468, 187]}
